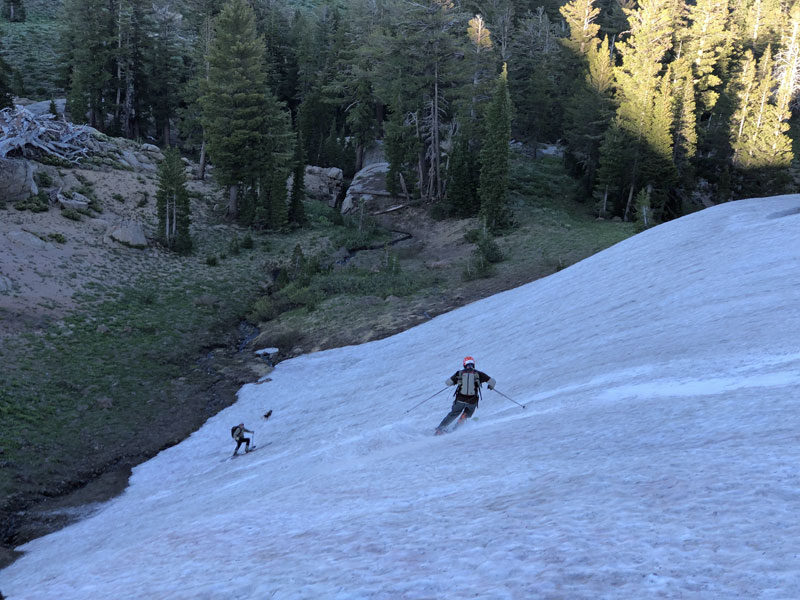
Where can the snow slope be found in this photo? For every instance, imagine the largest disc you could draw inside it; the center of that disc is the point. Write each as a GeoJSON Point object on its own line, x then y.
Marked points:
{"type": "Point", "coordinates": [658, 456]}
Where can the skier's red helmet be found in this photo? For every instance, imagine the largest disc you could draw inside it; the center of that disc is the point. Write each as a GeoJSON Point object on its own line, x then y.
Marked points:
{"type": "Point", "coordinates": [469, 361]}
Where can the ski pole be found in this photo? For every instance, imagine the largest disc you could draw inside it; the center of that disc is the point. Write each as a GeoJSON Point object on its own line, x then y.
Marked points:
{"type": "Point", "coordinates": [426, 399]}
{"type": "Point", "coordinates": [507, 398]}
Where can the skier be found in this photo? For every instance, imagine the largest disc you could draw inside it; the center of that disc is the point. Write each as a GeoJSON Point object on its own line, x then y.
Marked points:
{"type": "Point", "coordinates": [237, 433]}
{"type": "Point", "coordinates": [469, 382]}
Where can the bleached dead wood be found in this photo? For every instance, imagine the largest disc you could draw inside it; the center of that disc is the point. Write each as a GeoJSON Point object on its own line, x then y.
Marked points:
{"type": "Point", "coordinates": [24, 134]}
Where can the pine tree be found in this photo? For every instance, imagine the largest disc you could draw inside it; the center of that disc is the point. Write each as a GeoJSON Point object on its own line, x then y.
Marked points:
{"type": "Point", "coordinates": [18, 84]}
{"type": "Point", "coordinates": [638, 81]}
{"type": "Point", "coordinates": [463, 177]}
{"type": "Point", "coordinates": [657, 168]}
{"type": "Point", "coordinates": [704, 44]}
{"type": "Point", "coordinates": [166, 69]}
{"type": "Point", "coordinates": [421, 80]}
{"type": "Point", "coordinates": [5, 85]}
{"type": "Point", "coordinates": [760, 141]}
{"type": "Point", "coordinates": [88, 57]}
{"type": "Point", "coordinates": [581, 16]}
{"type": "Point", "coordinates": [589, 112]}
{"type": "Point", "coordinates": [759, 23]}
{"type": "Point", "coordinates": [402, 148]}
{"type": "Point", "coordinates": [493, 190]}
{"type": "Point", "coordinates": [201, 16]}
{"type": "Point", "coordinates": [172, 203]}
{"type": "Point", "coordinates": [480, 44]}
{"type": "Point", "coordinates": [535, 80]}
{"type": "Point", "coordinates": [239, 112]}
{"type": "Point", "coordinates": [684, 122]}
{"type": "Point", "coordinates": [130, 85]}
{"type": "Point", "coordinates": [297, 213]}
{"type": "Point", "coordinates": [615, 159]}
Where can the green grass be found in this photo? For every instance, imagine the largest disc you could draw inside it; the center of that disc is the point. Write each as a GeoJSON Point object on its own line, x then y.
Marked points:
{"type": "Point", "coordinates": [553, 228]}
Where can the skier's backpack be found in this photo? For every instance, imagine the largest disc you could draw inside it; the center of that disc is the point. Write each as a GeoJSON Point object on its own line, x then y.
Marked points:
{"type": "Point", "coordinates": [233, 431]}
{"type": "Point", "coordinates": [469, 383]}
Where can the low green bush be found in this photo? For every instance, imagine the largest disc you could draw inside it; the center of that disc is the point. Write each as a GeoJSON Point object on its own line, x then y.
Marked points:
{"type": "Point", "coordinates": [43, 179]}
{"type": "Point", "coordinates": [38, 203]}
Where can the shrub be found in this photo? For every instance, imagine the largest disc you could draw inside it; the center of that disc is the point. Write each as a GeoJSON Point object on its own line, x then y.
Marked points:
{"type": "Point", "coordinates": [211, 260]}
{"type": "Point", "coordinates": [263, 309]}
{"type": "Point", "coordinates": [477, 267]}
{"type": "Point", "coordinates": [490, 250]}
{"type": "Point", "coordinates": [71, 214]}
{"type": "Point", "coordinates": [234, 247]}
{"type": "Point", "coordinates": [473, 236]}
{"type": "Point", "coordinates": [43, 179]}
{"type": "Point", "coordinates": [247, 241]}
{"type": "Point", "coordinates": [118, 197]}
{"type": "Point", "coordinates": [57, 237]}
{"type": "Point", "coordinates": [38, 203]}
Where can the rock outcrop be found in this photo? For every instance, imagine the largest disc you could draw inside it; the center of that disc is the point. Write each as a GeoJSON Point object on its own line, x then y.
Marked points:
{"type": "Point", "coordinates": [323, 184]}
{"type": "Point", "coordinates": [369, 188]}
{"type": "Point", "coordinates": [16, 180]}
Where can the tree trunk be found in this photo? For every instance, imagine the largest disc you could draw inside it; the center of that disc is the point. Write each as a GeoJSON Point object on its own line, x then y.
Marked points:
{"type": "Point", "coordinates": [436, 142]}
{"type": "Point", "coordinates": [201, 171]}
{"type": "Point", "coordinates": [359, 157]}
{"type": "Point", "coordinates": [233, 197]}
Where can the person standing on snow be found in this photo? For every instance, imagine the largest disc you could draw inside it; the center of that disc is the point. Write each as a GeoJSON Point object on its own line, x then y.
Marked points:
{"type": "Point", "coordinates": [467, 394]}
{"type": "Point", "coordinates": [237, 433]}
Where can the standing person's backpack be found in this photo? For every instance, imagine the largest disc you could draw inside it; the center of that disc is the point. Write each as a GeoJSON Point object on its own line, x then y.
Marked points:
{"type": "Point", "coordinates": [234, 433]}
{"type": "Point", "coordinates": [470, 383]}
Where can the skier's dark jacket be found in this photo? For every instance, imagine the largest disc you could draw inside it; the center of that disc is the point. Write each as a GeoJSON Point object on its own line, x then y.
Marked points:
{"type": "Point", "coordinates": [455, 379]}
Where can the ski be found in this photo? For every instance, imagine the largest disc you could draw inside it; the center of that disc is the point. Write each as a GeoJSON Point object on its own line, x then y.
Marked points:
{"type": "Point", "coordinates": [252, 449]}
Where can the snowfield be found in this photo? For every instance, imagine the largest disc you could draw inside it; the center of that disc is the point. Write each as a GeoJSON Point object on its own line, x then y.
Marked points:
{"type": "Point", "coordinates": [658, 455]}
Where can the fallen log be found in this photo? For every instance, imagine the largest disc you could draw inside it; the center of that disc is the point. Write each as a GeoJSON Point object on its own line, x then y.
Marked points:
{"type": "Point", "coordinates": [33, 136]}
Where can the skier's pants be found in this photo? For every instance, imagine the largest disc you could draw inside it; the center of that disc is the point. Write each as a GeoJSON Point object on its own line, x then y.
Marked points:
{"type": "Point", "coordinates": [239, 442]}
{"type": "Point", "coordinates": [458, 407]}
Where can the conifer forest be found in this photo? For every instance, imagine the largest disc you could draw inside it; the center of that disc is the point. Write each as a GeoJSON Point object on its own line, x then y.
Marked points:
{"type": "Point", "coordinates": [660, 105]}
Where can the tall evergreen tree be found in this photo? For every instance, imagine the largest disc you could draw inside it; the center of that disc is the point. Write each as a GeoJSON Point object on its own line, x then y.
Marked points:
{"type": "Point", "coordinates": [581, 17]}
{"type": "Point", "coordinates": [639, 79]}
{"type": "Point", "coordinates": [534, 78]}
{"type": "Point", "coordinates": [480, 45]}
{"type": "Point", "coordinates": [589, 110]}
{"type": "Point", "coordinates": [89, 36]}
{"type": "Point", "coordinates": [493, 190]}
{"type": "Point", "coordinates": [760, 141]}
{"type": "Point", "coordinates": [463, 177]}
{"type": "Point", "coordinates": [422, 79]}
{"type": "Point", "coordinates": [704, 43]}
{"type": "Point", "coordinates": [130, 83]}
{"type": "Point", "coordinates": [5, 84]}
{"type": "Point", "coordinates": [172, 203]}
{"type": "Point", "coordinates": [684, 120]}
{"type": "Point", "coordinates": [297, 213]}
{"type": "Point", "coordinates": [166, 69]}
{"type": "Point", "coordinates": [239, 110]}
{"type": "Point", "coordinates": [615, 158]}
{"type": "Point", "coordinates": [759, 23]}
{"type": "Point", "coordinates": [201, 16]}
